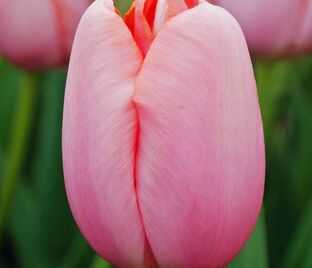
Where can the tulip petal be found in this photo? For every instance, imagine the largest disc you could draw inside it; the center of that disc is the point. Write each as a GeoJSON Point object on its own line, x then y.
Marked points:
{"type": "Point", "coordinates": [191, 3]}
{"type": "Point", "coordinates": [149, 11]}
{"type": "Point", "coordinates": [99, 137]}
{"type": "Point", "coordinates": [67, 14]}
{"type": "Point", "coordinates": [304, 41]}
{"type": "Point", "coordinates": [16, 26]}
{"type": "Point", "coordinates": [273, 28]}
{"type": "Point", "coordinates": [39, 35]}
{"type": "Point", "coordinates": [263, 23]}
{"type": "Point", "coordinates": [200, 159]}
{"type": "Point", "coordinates": [139, 25]}
{"type": "Point", "coordinates": [165, 10]}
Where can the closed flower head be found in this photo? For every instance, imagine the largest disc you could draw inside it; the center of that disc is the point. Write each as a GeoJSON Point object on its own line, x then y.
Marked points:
{"type": "Point", "coordinates": [162, 135]}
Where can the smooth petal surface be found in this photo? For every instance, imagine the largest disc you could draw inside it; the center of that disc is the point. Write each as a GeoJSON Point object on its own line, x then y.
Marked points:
{"type": "Point", "coordinates": [274, 28]}
{"type": "Point", "coordinates": [99, 137]}
{"type": "Point", "coordinates": [200, 161]}
{"type": "Point", "coordinates": [36, 34]}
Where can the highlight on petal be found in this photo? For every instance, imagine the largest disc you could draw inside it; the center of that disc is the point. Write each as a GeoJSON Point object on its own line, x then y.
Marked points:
{"type": "Point", "coordinates": [165, 10]}
{"type": "Point", "coordinates": [99, 137]}
{"type": "Point", "coordinates": [200, 159]}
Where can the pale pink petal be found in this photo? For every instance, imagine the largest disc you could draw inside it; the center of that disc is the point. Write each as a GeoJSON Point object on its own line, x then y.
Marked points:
{"type": "Point", "coordinates": [22, 38]}
{"type": "Point", "coordinates": [99, 137]}
{"type": "Point", "coordinates": [165, 10]}
{"type": "Point", "coordinates": [272, 28]}
{"type": "Point", "coordinates": [200, 160]}
{"type": "Point", "coordinates": [264, 22]}
{"type": "Point", "coordinates": [67, 14]}
{"type": "Point", "coordinates": [38, 34]}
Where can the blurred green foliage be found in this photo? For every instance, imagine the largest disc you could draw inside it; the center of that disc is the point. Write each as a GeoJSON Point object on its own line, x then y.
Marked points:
{"type": "Point", "coordinates": [40, 231]}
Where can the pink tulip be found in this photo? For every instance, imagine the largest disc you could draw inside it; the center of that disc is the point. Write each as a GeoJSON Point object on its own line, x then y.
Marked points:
{"type": "Point", "coordinates": [162, 135]}
{"type": "Point", "coordinates": [274, 28]}
{"type": "Point", "coordinates": [38, 34]}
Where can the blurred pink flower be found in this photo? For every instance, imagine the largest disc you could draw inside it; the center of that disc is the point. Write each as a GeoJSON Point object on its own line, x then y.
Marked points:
{"type": "Point", "coordinates": [162, 135]}
{"type": "Point", "coordinates": [38, 34]}
{"type": "Point", "coordinates": [275, 28]}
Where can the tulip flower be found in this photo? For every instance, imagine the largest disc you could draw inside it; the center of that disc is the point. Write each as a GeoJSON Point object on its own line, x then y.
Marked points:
{"type": "Point", "coordinates": [276, 28]}
{"type": "Point", "coordinates": [38, 34]}
{"type": "Point", "coordinates": [162, 136]}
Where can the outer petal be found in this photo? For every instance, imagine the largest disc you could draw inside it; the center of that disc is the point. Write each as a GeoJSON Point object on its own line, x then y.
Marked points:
{"type": "Point", "coordinates": [99, 133]}
{"type": "Point", "coordinates": [200, 162]}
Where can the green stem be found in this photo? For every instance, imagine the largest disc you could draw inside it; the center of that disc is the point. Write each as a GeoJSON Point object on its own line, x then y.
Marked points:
{"type": "Point", "coordinates": [21, 129]}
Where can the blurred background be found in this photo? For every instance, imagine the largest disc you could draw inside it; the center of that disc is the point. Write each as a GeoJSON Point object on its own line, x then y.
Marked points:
{"type": "Point", "coordinates": [36, 227]}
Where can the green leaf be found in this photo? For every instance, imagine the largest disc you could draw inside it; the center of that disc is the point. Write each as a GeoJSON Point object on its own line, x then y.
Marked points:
{"type": "Point", "coordinates": [271, 88]}
{"type": "Point", "coordinates": [49, 221]}
{"type": "Point", "coordinates": [78, 251]}
{"type": "Point", "coordinates": [47, 171]}
{"type": "Point", "coordinates": [288, 153]}
{"type": "Point", "coordinates": [20, 137]}
{"type": "Point", "coordinates": [254, 253]}
{"type": "Point", "coordinates": [299, 253]}
{"type": "Point", "coordinates": [27, 230]}
{"type": "Point", "coordinates": [123, 5]}
{"type": "Point", "coordinates": [1, 165]}
{"type": "Point", "coordinates": [9, 85]}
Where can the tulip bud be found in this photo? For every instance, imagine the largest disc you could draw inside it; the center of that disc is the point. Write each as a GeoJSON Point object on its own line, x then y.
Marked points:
{"type": "Point", "coordinates": [38, 34]}
{"type": "Point", "coordinates": [162, 136]}
{"type": "Point", "coordinates": [278, 28]}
